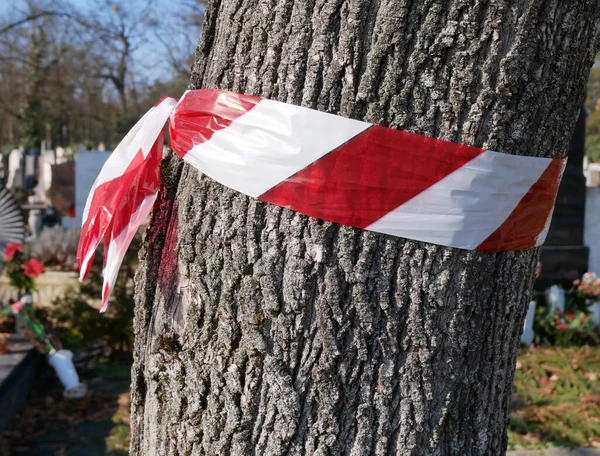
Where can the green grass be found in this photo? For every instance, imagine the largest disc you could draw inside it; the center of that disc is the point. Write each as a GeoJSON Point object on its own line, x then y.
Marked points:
{"type": "Point", "coordinates": [113, 372]}
{"type": "Point", "coordinates": [556, 398]}
{"type": "Point", "coordinates": [118, 440]}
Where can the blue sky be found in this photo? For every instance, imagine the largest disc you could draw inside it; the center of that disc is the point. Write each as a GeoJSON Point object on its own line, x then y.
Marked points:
{"type": "Point", "coordinates": [153, 51]}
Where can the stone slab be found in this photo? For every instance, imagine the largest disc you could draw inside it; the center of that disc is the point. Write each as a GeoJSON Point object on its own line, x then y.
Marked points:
{"type": "Point", "coordinates": [19, 349]}
{"type": "Point", "coordinates": [18, 371]}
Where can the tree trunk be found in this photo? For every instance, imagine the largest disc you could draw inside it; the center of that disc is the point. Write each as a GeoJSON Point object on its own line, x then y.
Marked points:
{"type": "Point", "coordinates": [260, 331]}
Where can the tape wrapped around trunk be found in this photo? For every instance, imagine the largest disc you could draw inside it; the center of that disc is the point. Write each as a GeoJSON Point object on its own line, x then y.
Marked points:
{"type": "Point", "coordinates": [325, 166]}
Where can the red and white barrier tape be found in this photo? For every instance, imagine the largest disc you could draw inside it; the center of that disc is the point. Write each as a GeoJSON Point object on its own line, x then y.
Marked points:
{"type": "Point", "coordinates": [325, 166]}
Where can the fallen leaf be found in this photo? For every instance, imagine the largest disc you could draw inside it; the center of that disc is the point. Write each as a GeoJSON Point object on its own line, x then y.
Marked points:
{"type": "Point", "coordinates": [593, 398]}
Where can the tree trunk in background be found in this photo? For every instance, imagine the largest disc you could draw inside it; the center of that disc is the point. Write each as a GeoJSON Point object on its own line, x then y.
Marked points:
{"type": "Point", "coordinates": [260, 331]}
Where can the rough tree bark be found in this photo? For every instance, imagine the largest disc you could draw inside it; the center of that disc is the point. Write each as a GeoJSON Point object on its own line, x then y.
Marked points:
{"type": "Point", "coordinates": [262, 331]}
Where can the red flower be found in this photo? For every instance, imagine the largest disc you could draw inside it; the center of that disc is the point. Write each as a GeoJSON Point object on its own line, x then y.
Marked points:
{"type": "Point", "coordinates": [17, 307]}
{"type": "Point", "coordinates": [570, 315]}
{"type": "Point", "coordinates": [33, 268]}
{"type": "Point", "coordinates": [11, 249]}
{"type": "Point", "coordinates": [583, 318]}
{"type": "Point", "coordinates": [563, 326]}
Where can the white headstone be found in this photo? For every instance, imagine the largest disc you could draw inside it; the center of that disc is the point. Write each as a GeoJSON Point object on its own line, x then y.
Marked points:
{"type": "Point", "coordinates": [593, 175]}
{"type": "Point", "coordinates": [35, 222]}
{"type": "Point", "coordinates": [87, 168]}
{"type": "Point", "coordinates": [48, 159]}
{"type": "Point", "coordinates": [592, 230]}
{"type": "Point", "coordinates": [528, 334]}
{"type": "Point", "coordinates": [594, 309]}
{"type": "Point", "coordinates": [556, 298]}
{"type": "Point", "coordinates": [30, 166]}
{"type": "Point", "coordinates": [61, 156]}
{"type": "Point", "coordinates": [15, 170]}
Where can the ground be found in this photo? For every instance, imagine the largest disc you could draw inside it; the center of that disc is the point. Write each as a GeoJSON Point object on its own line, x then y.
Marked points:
{"type": "Point", "coordinates": [96, 425]}
{"type": "Point", "coordinates": [556, 398]}
{"type": "Point", "coordinates": [556, 403]}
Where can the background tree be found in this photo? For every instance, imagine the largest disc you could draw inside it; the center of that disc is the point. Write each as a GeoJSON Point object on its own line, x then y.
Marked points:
{"type": "Point", "coordinates": [114, 33]}
{"type": "Point", "coordinates": [190, 16]}
{"type": "Point", "coordinates": [30, 116]}
{"type": "Point", "coordinates": [82, 72]}
{"type": "Point", "coordinates": [263, 331]}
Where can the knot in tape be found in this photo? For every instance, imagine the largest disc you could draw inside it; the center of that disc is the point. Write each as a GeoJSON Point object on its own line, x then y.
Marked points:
{"type": "Point", "coordinates": [325, 166]}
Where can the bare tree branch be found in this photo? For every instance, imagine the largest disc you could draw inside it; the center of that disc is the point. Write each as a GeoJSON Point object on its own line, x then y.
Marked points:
{"type": "Point", "coordinates": [31, 18]}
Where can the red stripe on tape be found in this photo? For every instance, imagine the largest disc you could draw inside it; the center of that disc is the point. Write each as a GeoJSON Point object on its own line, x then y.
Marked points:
{"type": "Point", "coordinates": [523, 226]}
{"type": "Point", "coordinates": [114, 201]}
{"type": "Point", "coordinates": [105, 295]}
{"type": "Point", "coordinates": [369, 176]}
{"type": "Point", "coordinates": [138, 188]}
{"type": "Point", "coordinates": [201, 113]}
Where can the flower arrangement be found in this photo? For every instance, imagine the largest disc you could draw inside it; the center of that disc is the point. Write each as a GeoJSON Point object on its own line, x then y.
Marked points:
{"type": "Point", "coordinates": [61, 360]}
{"type": "Point", "coordinates": [565, 329]}
{"type": "Point", "coordinates": [576, 325]}
{"type": "Point", "coordinates": [24, 313]}
{"type": "Point", "coordinates": [21, 273]}
{"type": "Point", "coordinates": [588, 287]}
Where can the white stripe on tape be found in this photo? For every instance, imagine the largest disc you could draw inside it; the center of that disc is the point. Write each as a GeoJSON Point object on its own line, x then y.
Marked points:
{"type": "Point", "coordinates": [466, 207]}
{"type": "Point", "coordinates": [270, 143]}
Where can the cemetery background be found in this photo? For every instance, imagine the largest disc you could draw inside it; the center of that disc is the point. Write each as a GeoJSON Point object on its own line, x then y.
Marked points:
{"type": "Point", "coordinates": [50, 158]}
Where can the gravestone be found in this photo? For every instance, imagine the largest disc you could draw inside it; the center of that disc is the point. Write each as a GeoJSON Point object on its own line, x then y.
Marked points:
{"type": "Point", "coordinates": [564, 255]}
{"type": "Point", "coordinates": [87, 167]}
{"type": "Point", "coordinates": [31, 159]}
{"type": "Point", "coordinates": [3, 169]}
{"type": "Point", "coordinates": [61, 193]}
{"type": "Point", "coordinates": [592, 227]}
{"type": "Point", "coordinates": [16, 177]}
{"type": "Point", "coordinates": [48, 159]}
